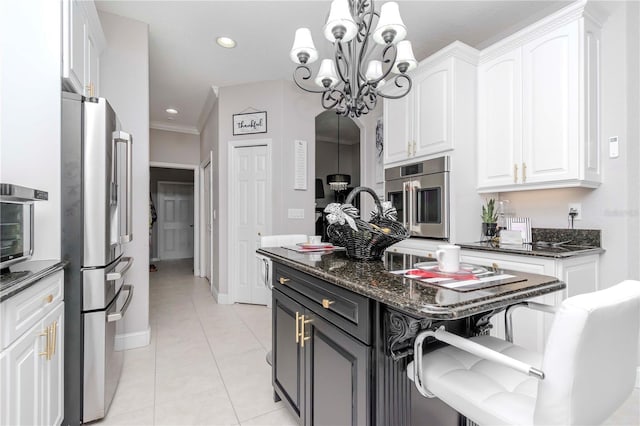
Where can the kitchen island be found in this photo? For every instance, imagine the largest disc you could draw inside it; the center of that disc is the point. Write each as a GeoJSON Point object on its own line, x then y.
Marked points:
{"type": "Point", "coordinates": [343, 333]}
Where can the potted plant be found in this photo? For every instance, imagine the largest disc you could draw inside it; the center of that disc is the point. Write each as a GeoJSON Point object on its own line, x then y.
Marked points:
{"type": "Point", "coordinates": [489, 218]}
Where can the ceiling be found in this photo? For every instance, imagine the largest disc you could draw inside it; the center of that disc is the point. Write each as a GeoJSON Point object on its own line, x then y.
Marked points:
{"type": "Point", "coordinates": [185, 61]}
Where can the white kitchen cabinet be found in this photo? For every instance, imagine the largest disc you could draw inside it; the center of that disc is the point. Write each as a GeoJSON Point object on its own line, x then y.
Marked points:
{"type": "Point", "coordinates": [423, 122]}
{"type": "Point", "coordinates": [31, 366]}
{"type": "Point", "coordinates": [531, 328]}
{"type": "Point", "coordinates": [82, 43]}
{"type": "Point", "coordinates": [538, 116]}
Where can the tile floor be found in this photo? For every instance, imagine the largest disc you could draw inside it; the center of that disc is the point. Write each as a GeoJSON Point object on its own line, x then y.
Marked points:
{"type": "Point", "coordinates": [206, 362]}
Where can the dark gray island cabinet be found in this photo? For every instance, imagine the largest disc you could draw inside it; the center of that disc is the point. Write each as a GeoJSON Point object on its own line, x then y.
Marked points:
{"type": "Point", "coordinates": [343, 335]}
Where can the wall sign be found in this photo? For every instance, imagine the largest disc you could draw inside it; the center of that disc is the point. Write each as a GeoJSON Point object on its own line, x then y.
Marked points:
{"type": "Point", "coordinates": [249, 123]}
{"type": "Point", "coordinates": [300, 169]}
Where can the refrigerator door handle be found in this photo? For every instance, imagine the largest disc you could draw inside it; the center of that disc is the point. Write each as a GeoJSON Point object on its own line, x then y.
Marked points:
{"type": "Point", "coordinates": [120, 136]}
{"type": "Point", "coordinates": [116, 316]}
{"type": "Point", "coordinates": [116, 275]}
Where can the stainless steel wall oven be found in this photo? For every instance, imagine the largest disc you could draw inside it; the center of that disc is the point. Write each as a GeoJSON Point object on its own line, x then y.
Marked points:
{"type": "Point", "coordinates": [420, 193]}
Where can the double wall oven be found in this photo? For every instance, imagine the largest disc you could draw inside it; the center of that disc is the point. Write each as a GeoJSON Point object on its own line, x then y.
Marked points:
{"type": "Point", "coordinates": [420, 194]}
{"type": "Point", "coordinates": [96, 226]}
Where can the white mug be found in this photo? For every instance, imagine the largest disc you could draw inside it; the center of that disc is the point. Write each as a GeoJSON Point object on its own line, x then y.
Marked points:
{"type": "Point", "coordinates": [448, 258]}
{"type": "Point", "coordinates": [314, 239]}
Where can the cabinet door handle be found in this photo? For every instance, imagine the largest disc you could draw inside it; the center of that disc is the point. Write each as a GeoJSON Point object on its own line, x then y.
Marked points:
{"type": "Point", "coordinates": [302, 336]}
{"type": "Point", "coordinates": [414, 148]}
{"type": "Point", "coordinates": [326, 303]}
{"type": "Point", "coordinates": [54, 334]}
{"type": "Point", "coordinates": [524, 172]}
{"type": "Point", "coordinates": [46, 333]}
{"type": "Point", "coordinates": [283, 280]}
{"type": "Point", "coordinates": [515, 173]}
{"type": "Point", "coordinates": [48, 299]}
{"type": "Point", "coordinates": [297, 327]}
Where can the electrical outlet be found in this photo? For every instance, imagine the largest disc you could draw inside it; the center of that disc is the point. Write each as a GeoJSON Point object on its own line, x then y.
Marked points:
{"type": "Point", "coordinates": [295, 213]}
{"type": "Point", "coordinates": [576, 207]}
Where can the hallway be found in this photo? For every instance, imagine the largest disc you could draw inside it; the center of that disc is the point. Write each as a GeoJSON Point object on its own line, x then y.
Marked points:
{"type": "Point", "coordinates": [205, 364]}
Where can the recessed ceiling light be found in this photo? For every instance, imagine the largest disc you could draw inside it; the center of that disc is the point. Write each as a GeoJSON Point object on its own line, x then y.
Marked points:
{"type": "Point", "coordinates": [226, 42]}
{"type": "Point", "coordinates": [171, 110]}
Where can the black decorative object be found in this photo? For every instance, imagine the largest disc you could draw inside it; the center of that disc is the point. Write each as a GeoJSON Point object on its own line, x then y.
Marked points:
{"type": "Point", "coordinates": [319, 189]}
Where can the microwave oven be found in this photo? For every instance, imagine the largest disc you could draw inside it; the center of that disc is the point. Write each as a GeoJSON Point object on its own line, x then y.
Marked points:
{"type": "Point", "coordinates": [17, 223]}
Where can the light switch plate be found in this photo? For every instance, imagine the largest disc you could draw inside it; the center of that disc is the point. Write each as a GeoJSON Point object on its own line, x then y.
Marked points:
{"type": "Point", "coordinates": [614, 147]}
{"type": "Point", "coordinates": [296, 213]}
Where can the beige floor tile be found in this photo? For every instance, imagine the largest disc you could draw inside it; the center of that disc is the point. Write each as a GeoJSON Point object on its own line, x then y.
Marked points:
{"type": "Point", "coordinates": [133, 393]}
{"type": "Point", "coordinates": [183, 379]}
{"type": "Point", "coordinates": [142, 417]}
{"type": "Point", "coordinates": [206, 408]}
{"type": "Point", "coordinates": [281, 417]}
{"type": "Point", "coordinates": [247, 377]}
{"type": "Point", "coordinates": [231, 341]}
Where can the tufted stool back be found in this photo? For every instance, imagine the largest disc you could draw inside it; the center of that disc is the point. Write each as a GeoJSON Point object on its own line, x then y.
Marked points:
{"type": "Point", "coordinates": [590, 357]}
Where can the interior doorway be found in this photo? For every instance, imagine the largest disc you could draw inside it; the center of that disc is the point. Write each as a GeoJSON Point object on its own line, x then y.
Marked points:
{"type": "Point", "coordinates": [338, 158]}
{"type": "Point", "coordinates": [175, 220]}
{"type": "Point", "coordinates": [174, 194]}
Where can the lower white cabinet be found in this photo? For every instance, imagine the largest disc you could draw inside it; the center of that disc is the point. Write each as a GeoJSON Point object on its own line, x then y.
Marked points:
{"type": "Point", "coordinates": [31, 368]}
{"type": "Point", "coordinates": [531, 328]}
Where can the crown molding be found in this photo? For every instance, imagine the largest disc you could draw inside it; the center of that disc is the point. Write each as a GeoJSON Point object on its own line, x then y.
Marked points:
{"type": "Point", "coordinates": [457, 49]}
{"type": "Point", "coordinates": [209, 103]}
{"type": "Point", "coordinates": [179, 128]}
{"type": "Point", "coordinates": [545, 25]}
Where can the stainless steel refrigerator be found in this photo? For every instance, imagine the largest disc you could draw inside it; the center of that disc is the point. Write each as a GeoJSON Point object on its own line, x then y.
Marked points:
{"type": "Point", "coordinates": [96, 225]}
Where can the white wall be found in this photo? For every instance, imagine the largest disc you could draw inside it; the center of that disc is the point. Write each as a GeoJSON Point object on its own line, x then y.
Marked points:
{"type": "Point", "coordinates": [291, 116]}
{"type": "Point", "coordinates": [174, 147]}
{"type": "Point", "coordinates": [613, 207]}
{"type": "Point", "coordinates": [124, 73]}
{"type": "Point", "coordinates": [30, 110]}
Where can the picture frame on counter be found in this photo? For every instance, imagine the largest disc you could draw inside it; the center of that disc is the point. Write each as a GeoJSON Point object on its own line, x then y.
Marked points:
{"type": "Point", "coordinates": [522, 224]}
{"type": "Point", "coordinates": [249, 123]}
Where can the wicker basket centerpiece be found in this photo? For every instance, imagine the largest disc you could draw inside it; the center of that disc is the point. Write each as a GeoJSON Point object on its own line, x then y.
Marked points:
{"type": "Point", "coordinates": [364, 240]}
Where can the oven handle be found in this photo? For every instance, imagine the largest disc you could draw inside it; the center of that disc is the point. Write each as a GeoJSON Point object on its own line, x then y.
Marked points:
{"type": "Point", "coordinates": [114, 276]}
{"type": "Point", "coordinates": [404, 204]}
{"type": "Point", "coordinates": [116, 316]}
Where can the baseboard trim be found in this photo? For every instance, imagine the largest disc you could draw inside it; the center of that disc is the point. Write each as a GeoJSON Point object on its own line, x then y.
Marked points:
{"type": "Point", "coordinates": [128, 341]}
{"type": "Point", "coordinates": [638, 377]}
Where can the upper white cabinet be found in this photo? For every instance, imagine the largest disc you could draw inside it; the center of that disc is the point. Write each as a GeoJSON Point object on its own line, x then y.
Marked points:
{"type": "Point", "coordinates": [423, 122]}
{"type": "Point", "coordinates": [82, 43]}
{"type": "Point", "coordinates": [538, 97]}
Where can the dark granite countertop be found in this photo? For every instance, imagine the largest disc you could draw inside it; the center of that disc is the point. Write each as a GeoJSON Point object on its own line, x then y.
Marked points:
{"type": "Point", "coordinates": [24, 275]}
{"type": "Point", "coordinates": [408, 295]}
{"type": "Point", "coordinates": [560, 252]}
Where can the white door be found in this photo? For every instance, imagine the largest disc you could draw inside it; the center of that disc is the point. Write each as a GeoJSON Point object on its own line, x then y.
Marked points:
{"type": "Point", "coordinates": [52, 370]}
{"type": "Point", "coordinates": [250, 201]}
{"type": "Point", "coordinates": [175, 220]}
{"type": "Point", "coordinates": [397, 128]}
{"type": "Point", "coordinates": [208, 226]}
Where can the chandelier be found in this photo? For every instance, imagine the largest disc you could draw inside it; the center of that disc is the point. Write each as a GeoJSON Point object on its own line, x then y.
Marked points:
{"type": "Point", "coordinates": [342, 81]}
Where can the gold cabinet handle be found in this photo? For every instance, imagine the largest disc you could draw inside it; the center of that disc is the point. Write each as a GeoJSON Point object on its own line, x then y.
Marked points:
{"type": "Point", "coordinates": [326, 303]}
{"type": "Point", "coordinates": [46, 333]}
{"type": "Point", "coordinates": [515, 173]}
{"type": "Point", "coordinates": [283, 280]}
{"type": "Point", "coordinates": [54, 333]}
{"type": "Point", "coordinates": [302, 336]}
{"type": "Point", "coordinates": [524, 172]}
{"type": "Point", "coordinates": [494, 266]}
{"type": "Point", "coordinates": [297, 327]}
{"type": "Point", "coordinates": [48, 299]}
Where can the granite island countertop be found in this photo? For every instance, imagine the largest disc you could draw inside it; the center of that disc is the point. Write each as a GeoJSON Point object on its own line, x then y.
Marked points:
{"type": "Point", "coordinates": [411, 296]}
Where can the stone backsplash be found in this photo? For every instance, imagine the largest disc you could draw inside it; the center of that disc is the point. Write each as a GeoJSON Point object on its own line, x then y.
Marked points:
{"type": "Point", "coordinates": [578, 237]}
